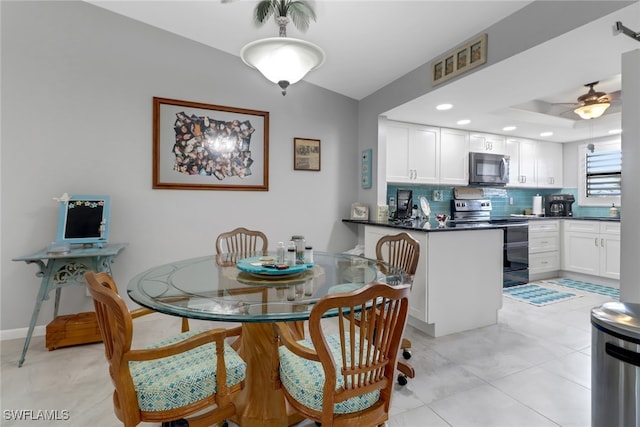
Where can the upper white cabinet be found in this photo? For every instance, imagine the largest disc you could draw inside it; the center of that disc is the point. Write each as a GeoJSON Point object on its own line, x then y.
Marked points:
{"type": "Point", "coordinates": [413, 153]}
{"type": "Point", "coordinates": [487, 143]}
{"type": "Point", "coordinates": [420, 154]}
{"type": "Point", "coordinates": [549, 164]}
{"type": "Point", "coordinates": [522, 163]}
{"type": "Point", "coordinates": [534, 164]}
{"type": "Point", "coordinates": [454, 157]}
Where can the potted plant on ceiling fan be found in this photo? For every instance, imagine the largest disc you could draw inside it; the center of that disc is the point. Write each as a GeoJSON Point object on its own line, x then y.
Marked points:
{"type": "Point", "coordinates": [300, 12]}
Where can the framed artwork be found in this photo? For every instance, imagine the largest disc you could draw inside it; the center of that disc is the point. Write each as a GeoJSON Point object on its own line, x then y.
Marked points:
{"type": "Point", "coordinates": [306, 154]}
{"type": "Point", "coordinates": [459, 60]}
{"type": "Point", "coordinates": [365, 168]}
{"type": "Point", "coordinates": [209, 147]}
{"type": "Point", "coordinates": [359, 211]}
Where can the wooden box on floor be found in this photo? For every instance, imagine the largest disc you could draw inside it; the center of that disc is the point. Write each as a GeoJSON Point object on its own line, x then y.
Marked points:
{"type": "Point", "coordinates": [72, 329]}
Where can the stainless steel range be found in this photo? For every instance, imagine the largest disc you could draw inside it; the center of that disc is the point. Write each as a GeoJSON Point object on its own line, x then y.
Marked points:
{"type": "Point", "coordinates": [470, 212]}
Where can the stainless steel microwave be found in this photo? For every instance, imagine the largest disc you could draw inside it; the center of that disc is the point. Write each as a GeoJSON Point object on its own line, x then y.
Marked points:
{"type": "Point", "coordinates": [488, 169]}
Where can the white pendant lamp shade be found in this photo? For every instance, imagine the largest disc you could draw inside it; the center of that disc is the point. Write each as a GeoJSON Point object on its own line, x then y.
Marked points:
{"type": "Point", "coordinates": [592, 111]}
{"type": "Point", "coordinates": [282, 60]}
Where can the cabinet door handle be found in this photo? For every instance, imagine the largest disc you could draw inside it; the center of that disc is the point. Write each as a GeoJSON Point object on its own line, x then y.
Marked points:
{"type": "Point", "coordinates": [596, 241]}
{"type": "Point", "coordinates": [602, 242]}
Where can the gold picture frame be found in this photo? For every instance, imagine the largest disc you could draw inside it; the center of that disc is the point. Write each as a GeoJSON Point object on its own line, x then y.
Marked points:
{"type": "Point", "coordinates": [457, 61]}
{"type": "Point", "coordinates": [306, 154]}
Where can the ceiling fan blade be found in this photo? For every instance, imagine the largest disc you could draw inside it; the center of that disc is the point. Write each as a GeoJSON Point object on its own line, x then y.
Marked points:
{"type": "Point", "coordinates": [615, 96]}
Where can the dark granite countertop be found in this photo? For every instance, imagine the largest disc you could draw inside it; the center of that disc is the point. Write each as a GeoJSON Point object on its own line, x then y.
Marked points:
{"type": "Point", "coordinates": [537, 218]}
{"type": "Point", "coordinates": [427, 226]}
{"type": "Point", "coordinates": [432, 225]}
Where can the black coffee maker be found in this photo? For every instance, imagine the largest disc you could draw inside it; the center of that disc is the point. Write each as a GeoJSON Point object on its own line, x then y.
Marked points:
{"type": "Point", "coordinates": [558, 205]}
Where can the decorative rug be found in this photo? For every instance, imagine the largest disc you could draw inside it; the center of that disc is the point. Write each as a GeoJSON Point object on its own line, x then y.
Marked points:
{"type": "Point", "coordinates": [538, 294]}
{"type": "Point", "coordinates": [579, 285]}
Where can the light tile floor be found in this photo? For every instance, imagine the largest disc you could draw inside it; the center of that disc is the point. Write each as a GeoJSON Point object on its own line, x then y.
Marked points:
{"type": "Point", "coordinates": [531, 369]}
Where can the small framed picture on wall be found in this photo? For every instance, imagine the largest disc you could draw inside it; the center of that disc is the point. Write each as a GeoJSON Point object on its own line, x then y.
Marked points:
{"type": "Point", "coordinates": [306, 154]}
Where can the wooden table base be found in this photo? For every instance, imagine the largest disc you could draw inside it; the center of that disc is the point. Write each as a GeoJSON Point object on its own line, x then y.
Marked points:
{"type": "Point", "coordinates": [261, 402]}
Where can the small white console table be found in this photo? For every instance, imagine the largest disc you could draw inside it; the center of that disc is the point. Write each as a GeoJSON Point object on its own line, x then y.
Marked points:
{"type": "Point", "coordinates": [58, 270]}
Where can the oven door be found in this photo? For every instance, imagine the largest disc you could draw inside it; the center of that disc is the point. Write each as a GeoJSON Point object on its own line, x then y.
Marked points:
{"type": "Point", "coordinates": [515, 256]}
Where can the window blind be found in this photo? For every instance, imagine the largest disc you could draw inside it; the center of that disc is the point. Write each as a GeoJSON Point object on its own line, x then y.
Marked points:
{"type": "Point", "coordinates": [604, 173]}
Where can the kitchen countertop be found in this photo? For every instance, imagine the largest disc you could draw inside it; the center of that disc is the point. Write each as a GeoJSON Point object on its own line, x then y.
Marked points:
{"type": "Point", "coordinates": [584, 218]}
{"type": "Point", "coordinates": [432, 225]}
{"type": "Point", "coordinates": [427, 226]}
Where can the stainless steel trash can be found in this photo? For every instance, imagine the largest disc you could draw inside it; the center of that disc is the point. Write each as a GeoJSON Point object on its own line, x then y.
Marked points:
{"type": "Point", "coordinates": [615, 365]}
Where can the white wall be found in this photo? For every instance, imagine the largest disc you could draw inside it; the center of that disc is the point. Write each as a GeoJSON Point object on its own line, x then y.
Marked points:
{"type": "Point", "coordinates": [77, 89]}
{"type": "Point", "coordinates": [630, 231]}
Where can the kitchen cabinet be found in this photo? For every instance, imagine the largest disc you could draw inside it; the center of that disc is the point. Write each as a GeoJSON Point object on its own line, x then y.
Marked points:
{"type": "Point", "coordinates": [534, 164]}
{"type": "Point", "coordinates": [549, 164]}
{"type": "Point", "coordinates": [487, 143]}
{"type": "Point", "coordinates": [522, 162]}
{"type": "Point", "coordinates": [591, 247]}
{"type": "Point", "coordinates": [544, 248]}
{"type": "Point", "coordinates": [412, 153]}
{"type": "Point", "coordinates": [454, 157]}
{"type": "Point", "coordinates": [458, 282]}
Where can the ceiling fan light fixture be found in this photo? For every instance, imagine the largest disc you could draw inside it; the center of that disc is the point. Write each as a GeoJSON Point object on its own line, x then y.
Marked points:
{"type": "Point", "coordinates": [592, 111]}
{"type": "Point", "coordinates": [283, 60]}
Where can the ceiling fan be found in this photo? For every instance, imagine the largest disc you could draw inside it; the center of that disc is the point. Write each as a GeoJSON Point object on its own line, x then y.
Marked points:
{"type": "Point", "coordinates": [593, 104]}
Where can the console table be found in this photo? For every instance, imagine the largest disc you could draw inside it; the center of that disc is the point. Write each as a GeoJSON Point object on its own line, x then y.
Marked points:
{"type": "Point", "coordinates": [58, 270]}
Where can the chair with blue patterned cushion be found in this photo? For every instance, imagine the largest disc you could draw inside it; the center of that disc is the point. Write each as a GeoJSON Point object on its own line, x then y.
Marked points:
{"type": "Point", "coordinates": [345, 378]}
{"type": "Point", "coordinates": [401, 251]}
{"type": "Point", "coordinates": [177, 378]}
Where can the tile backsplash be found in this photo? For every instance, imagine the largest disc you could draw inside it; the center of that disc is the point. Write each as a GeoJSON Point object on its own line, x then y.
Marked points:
{"type": "Point", "coordinates": [505, 201]}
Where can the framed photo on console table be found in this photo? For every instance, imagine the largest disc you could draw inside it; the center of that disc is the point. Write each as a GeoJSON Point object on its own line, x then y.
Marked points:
{"type": "Point", "coordinates": [306, 154]}
{"type": "Point", "coordinates": [359, 211]}
{"type": "Point", "coordinates": [200, 146]}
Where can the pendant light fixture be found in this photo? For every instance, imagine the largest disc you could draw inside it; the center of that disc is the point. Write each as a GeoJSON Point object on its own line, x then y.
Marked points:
{"type": "Point", "coordinates": [283, 60]}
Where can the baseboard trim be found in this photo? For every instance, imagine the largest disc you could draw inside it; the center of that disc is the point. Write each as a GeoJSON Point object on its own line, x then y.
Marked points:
{"type": "Point", "coordinates": [12, 334]}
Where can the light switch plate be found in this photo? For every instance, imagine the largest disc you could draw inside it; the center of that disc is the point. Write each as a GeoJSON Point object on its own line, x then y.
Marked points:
{"type": "Point", "coordinates": [438, 195]}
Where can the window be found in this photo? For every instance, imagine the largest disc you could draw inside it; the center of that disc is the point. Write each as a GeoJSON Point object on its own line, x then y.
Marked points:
{"type": "Point", "coordinates": [600, 173]}
{"type": "Point", "coordinates": [604, 173]}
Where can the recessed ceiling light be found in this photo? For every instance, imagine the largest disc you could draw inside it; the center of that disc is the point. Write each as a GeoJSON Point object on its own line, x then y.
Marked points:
{"type": "Point", "coordinates": [463, 122]}
{"type": "Point", "coordinates": [546, 134]}
{"type": "Point", "coordinates": [509, 128]}
{"type": "Point", "coordinates": [443, 107]}
{"type": "Point", "coordinates": [615, 131]}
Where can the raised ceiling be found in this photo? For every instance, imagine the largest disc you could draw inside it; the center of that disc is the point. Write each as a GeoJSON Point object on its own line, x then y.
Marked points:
{"type": "Point", "coordinates": [370, 43]}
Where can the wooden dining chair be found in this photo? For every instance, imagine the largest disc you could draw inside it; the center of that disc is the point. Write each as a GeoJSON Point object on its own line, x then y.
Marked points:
{"type": "Point", "coordinates": [242, 241]}
{"type": "Point", "coordinates": [401, 251]}
{"type": "Point", "coordinates": [173, 381]}
{"type": "Point", "coordinates": [345, 378]}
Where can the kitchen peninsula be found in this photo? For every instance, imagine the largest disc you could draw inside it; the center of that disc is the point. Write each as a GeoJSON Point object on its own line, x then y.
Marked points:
{"type": "Point", "coordinates": [458, 283]}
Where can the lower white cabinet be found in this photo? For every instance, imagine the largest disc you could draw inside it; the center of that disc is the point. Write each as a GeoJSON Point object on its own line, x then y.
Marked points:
{"type": "Point", "coordinates": [458, 283]}
{"type": "Point", "coordinates": [591, 247]}
{"type": "Point", "coordinates": [544, 247]}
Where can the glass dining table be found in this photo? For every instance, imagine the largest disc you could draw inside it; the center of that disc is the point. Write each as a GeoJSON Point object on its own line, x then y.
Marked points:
{"type": "Point", "coordinates": [238, 288]}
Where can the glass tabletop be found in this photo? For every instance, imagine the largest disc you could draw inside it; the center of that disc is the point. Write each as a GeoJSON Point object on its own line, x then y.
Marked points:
{"type": "Point", "coordinates": [213, 288]}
